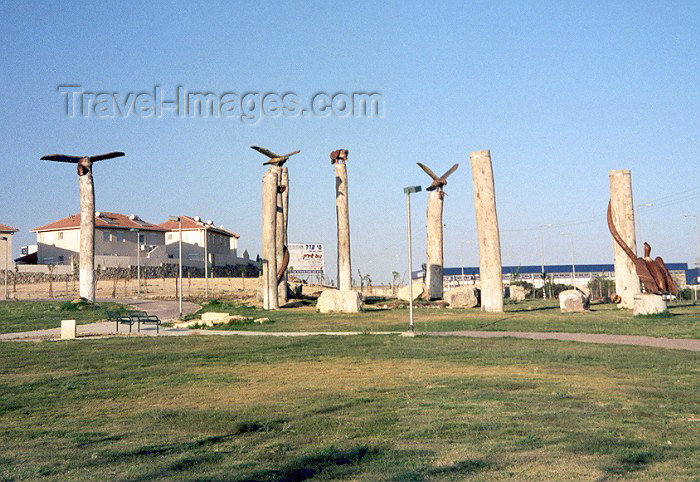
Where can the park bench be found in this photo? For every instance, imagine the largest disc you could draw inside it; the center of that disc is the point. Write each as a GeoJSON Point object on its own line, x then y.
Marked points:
{"type": "Point", "coordinates": [146, 318]}
{"type": "Point", "coordinates": [124, 319]}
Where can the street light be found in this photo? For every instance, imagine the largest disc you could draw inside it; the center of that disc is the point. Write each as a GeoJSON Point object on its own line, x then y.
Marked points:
{"type": "Point", "coordinates": [573, 261]}
{"type": "Point", "coordinates": [138, 259]}
{"type": "Point", "coordinates": [410, 190]}
{"type": "Point", "coordinates": [7, 243]}
{"type": "Point", "coordinates": [544, 277]}
{"type": "Point", "coordinates": [638, 219]}
{"type": "Point", "coordinates": [178, 219]}
{"type": "Point", "coordinates": [697, 229]}
{"type": "Point", "coordinates": [206, 263]}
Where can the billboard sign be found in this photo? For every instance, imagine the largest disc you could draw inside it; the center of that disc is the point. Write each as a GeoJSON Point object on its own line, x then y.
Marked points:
{"type": "Point", "coordinates": [305, 259]}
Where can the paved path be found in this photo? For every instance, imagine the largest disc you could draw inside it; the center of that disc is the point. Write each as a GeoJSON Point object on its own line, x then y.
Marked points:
{"type": "Point", "coordinates": [169, 310]}
{"type": "Point", "coordinates": [673, 343]}
{"type": "Point", "coordinates": [165, 310]}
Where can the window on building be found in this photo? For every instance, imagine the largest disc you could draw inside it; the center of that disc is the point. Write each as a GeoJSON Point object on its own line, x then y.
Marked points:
{"type": "Point", "coordinates": [120, 237]}
{"type": "Point", "coordinates": [60, 259]}
{"type": "Point", "coordinates": [142, 238]}
{"type": "Point", "coordinates": [60, 235]}
{"type": "Point", "coordinates": [107, 237]}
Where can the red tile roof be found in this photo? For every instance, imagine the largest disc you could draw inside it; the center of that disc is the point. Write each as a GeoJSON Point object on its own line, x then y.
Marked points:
{"type": "Point", "coordinates": [190, 224]}
{"type": "Point", "coordinates": [4, 228]}
{"type": "Point", "coordinates": [104, 220]}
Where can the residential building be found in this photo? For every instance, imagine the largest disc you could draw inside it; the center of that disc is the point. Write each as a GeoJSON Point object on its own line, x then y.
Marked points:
{"type": "Point", "coordinates": [116, 245]}
{"type": "Point", "coordinates": [6, 246]}
{"type": "Point", "coordinates": [560, 273]}
{"type": "Point", "coordinates": [221, 244]}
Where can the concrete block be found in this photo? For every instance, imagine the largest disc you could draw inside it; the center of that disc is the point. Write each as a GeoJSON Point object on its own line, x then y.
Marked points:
{"type": "Point", "coordinates": [573, 301]}
{"type": "Point", "coordinates": [69, 329]}
{"type": "Point", "coordinates": [646, 304]}
{"type": "Point", "coordinates": [336, 301]}
{"type": "Point", "coordinates": [463, 297]}
{"type": "Point", "coordinates": [418, 291]}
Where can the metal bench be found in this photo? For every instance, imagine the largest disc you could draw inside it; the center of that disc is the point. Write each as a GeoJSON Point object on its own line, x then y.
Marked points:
{"type": "Point", "coordinates": [145, 318]}
{"type": "Point", "coordinates": [124, 319]}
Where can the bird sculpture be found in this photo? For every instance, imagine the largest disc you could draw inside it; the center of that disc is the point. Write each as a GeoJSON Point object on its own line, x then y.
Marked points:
{"type": "Point", "coordinates": [339, 155]}
{"type": "Point", "coordinates": [84, 162]}
{"type": "Point", "coordinates": [438, 182]}
{"type": "Point", "coordinates": [653, 273]}
{"type": "Point", "coordinates": [275, 159]}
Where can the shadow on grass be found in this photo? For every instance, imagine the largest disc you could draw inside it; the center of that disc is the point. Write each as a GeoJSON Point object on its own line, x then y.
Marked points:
{"type": "Point", "coordinates": [458, 470]}
{"type": "Point", "coordinates": [310, 466]}
{"type": "Point", "coordinates": [628, 455]}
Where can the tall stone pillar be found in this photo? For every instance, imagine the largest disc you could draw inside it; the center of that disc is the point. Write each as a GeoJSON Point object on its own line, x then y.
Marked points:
{"type": "Point", "coordinates": [279, 236]}
{"type": "Point", "coordinates": [341, 209]}
{"type": "Point", "coordinates": [622, 208]}
{"type": "Point", "coordinates": [284, 185]}
{"type": "Point", "coordinates": [87, 235]}
{"type": "Point", "coordinates": [269, 246]}
{"type": "Point", "coordinates": [433, 278]}
{"type": "Point", "coordinates": [487, 231]}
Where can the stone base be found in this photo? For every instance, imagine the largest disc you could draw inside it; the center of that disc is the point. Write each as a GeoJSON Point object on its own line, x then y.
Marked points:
{"type": "Point", "coordinates": [648, 305]}
{"type": "Point", "coordinates": [573, 301]}
{"type": "Point", "coordinates": [463, 297]}
{"type": "Point", "coordinates": [336, 301]}
{"type": "Point", "coordinates": [418, 291]}
{"type": "Point", "coordinates": [69, 329]}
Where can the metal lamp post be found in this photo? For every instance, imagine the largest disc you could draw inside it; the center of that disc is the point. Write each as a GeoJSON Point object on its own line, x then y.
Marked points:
{"type": "Point", "coordinates": [573, 261]}
{"type": "Point", "coordinates": [544, 277]}
{"type": "Point", "coordinates": [178, 219]}
{"type": "Point", "coordinates": [697, 261]}
{"type": "Point", "coordinates": [410, 190]}
{"type": "Point", "coordinates": [7, 243]}
{"type": "Point", "coordinates": [697, 229]}
{"type": "Point", "coordinates": [206, 264]}
{"type": "Point", "coordinates": [638, 229]}
{"type": "Point", "coordinates": [138, 259]}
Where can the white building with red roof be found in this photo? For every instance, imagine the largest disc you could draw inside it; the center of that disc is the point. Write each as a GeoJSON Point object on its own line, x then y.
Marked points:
{"type": "Point", "coordinates": [221, 245]}
{"type": "Point", "coordinates": [116, 242]}
{"type": "Point", "coordinates": [6, 233]}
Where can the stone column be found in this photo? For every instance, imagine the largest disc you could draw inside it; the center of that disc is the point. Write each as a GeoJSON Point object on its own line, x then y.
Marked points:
{"type": "Point", "coordinates": [284, 183]}
{"type": "Point", "coordinates": [87, 236]}
{"type": "Point", "coordinates": [433, 278]}
{"type": "Point", "coordinates": [341, 209]}
{"type": "Point", "coordinates": [487, 231]}
{"type": "Point", "coordinates": [279, 235]}
{"type": "Point", "coordinates": [622, 207]}
{"type": "Point", "coordinates": [269, 251]}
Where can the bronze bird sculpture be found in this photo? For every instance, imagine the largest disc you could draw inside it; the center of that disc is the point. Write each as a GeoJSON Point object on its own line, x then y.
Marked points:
{"type": "Point", "coordinates": [275, 159]}
{"type": "Point", "coordinates": [84, 162]}
{"type": "Point", "coordinates": [438, 182]}
{"type": "Point", "coordinates": [339, 155]}
{"type": "Point", "coordinates": [653, 273]}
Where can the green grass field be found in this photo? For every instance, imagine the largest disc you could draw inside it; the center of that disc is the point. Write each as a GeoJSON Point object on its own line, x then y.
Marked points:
{"type": "Point", "coordinates": [20, 316]}
{"type": "Point", "coordinates": [362, 408]}
{"type": "Point", "coordinates": [684, 321]}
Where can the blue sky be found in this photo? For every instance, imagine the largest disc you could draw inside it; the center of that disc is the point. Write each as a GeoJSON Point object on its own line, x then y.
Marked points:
{"type": "Point", "coordinates": [560, 92]}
